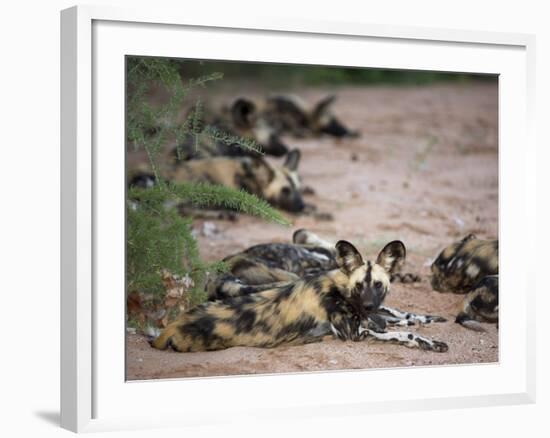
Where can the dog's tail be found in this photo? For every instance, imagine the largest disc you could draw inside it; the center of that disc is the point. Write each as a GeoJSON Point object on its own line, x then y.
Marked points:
{"type": "Point", "coordinates": [151, 333]}
{"type": "Point", "coordinates": [306, 237]}
{"type": "Point", "coordinates": [164, 340]}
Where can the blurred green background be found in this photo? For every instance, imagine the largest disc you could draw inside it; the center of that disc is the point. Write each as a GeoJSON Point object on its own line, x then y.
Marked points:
{"type": "Point", "coordinates": [296, 75]}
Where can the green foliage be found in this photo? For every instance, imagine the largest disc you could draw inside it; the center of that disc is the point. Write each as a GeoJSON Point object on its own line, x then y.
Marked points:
{"type": "Point", "coordinates": [157, 236]}
{"type": "Point", "coordinates": [149, 126]}
{"type": "Point", "coordinates": [208, 195]}
{"type": "Point", "coordinates": [232, 140]}
{"type": "Point", "coordinates": [195, 127]}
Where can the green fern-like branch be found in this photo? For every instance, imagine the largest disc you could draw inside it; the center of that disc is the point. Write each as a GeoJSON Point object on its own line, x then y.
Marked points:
{"type": "Point", "coordinates": [203, 80]}
{"type": "Point", "coordinates": [157, 236]}
{"type": "Point", "coordinates": [210, 195]}
{"type": "Point", "coordinates": [233, 140]}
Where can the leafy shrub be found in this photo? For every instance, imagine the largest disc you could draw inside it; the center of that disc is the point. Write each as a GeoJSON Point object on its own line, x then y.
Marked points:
{"type": "Point", "coordinates": [157, 237]}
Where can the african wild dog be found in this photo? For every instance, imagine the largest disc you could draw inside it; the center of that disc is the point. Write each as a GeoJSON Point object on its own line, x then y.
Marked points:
{"type": "Point", "coordinates": [295, 313]}
{"type": "Point", "coordinates": [273, 262]}
{"type": "Point", "coordinates": [240, 119]}
{"type": "Point", "coordinates": [265, 121]}
{"type": "Point", "coordinates": [270, 265]}
{"type": "Point", "coordinates": [470, 266]}
{"type": "Point", "coordinates": [280, 186]}
{"type": "Point", "coordinates": [289, 114]}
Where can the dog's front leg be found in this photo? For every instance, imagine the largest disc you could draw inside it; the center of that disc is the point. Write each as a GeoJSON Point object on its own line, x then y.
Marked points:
{"type": "Point", "coordinates": [400, 318]}
{"type": "Point", "coordinates": [347, 327]}
{"type": "Point", "coordinates": [408, 339]}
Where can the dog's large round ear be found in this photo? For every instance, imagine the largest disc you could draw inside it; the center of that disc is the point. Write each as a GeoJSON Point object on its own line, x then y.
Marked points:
{"type": "Point", "coordinates": [322, 107]}
{"type": "Point", "coordinates": [392, 256]}
{"type": "Point", "coordinates": [292, 159]}
{"type": "Point", "coordinates": [300, 236]}
{"type": "Point", "coordinates": [348, 258]}
{"type": "Point", "coordinates": [242, 111]}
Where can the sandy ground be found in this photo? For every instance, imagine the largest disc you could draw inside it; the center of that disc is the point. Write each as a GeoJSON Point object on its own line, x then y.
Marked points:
{"type": "Point", "coordinates": [425, 170]}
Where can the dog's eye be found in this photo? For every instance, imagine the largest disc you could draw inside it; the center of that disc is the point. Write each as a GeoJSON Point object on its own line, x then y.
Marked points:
{"type": "Point", "coordinates": [378, 285]}
{"type": "Point", "coordinates": [285, 191]}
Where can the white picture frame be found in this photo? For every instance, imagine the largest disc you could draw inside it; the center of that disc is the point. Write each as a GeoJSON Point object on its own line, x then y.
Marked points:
{"type": "Point", "coordinates": [94, 394]}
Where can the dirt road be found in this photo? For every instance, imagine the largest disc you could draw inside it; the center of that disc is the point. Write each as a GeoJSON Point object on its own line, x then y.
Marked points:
{"type": "Point", "coordinates": [425, 170]}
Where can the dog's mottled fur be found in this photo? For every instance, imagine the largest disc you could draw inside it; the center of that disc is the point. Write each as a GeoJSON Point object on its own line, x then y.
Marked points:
{"type": "Point", "coordinates": [461, 265]}
{"type": "Point", "coordinates": [290, 114]}
{"type": "Point", "coordinates": [296, 312]}
{"type": "Point", "coordinates": [279, 185]}
{"type": "Point", "coordinates": [470, 266]}
{"type": "Point", "coordinates": [481, 304]}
